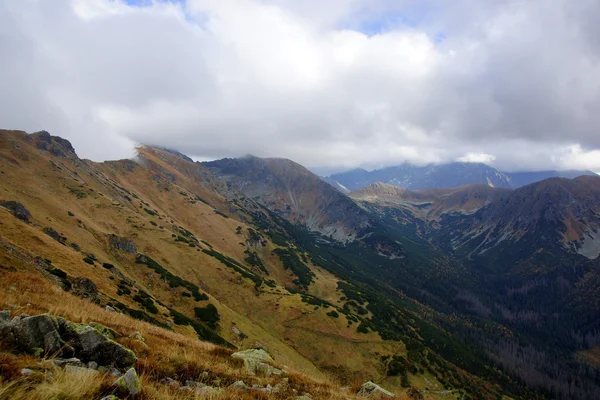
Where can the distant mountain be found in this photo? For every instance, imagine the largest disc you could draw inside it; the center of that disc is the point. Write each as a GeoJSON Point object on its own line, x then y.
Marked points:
{"type": "Point", "coordinates": [434, 176]}
{"type": "Point", "coordinates": [519, 179]}
{"type": "Point", "coordinates": [294, 193]}
{"type": "Point", "coordinates": [430, 204]}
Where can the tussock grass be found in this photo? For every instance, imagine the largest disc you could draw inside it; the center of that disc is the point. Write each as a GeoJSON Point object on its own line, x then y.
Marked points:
{"type": "Point", "coordinates": [164, 354]}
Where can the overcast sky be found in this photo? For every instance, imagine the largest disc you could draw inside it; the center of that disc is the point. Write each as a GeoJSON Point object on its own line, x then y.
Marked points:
{"type": "Point", "coordinates": [332, 84]}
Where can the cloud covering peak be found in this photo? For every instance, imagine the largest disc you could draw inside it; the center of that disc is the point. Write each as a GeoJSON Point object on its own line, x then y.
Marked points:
{"type": "Point", "coordinates": [333, 84]}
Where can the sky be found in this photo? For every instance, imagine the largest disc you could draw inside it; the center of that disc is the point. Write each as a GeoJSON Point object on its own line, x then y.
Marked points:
{"type": "Point", "coordinates": [333, 84]}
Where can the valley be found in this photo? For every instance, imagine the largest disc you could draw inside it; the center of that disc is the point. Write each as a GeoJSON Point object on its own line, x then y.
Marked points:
{"type": "Point", "coordinates": [470, 292]}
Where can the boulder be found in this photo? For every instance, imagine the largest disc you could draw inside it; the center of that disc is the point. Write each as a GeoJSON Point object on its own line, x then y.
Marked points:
{"type": "Point", "coordinates": [91, 345]}
{"type": "Point", "coordinates": [256, 360]}
{"type": "Point", "coordinates": [105, 330]}
{"type": "Point", "coordinates": [129, 382]}
{"type": "Point", "coordinates": [37, 332]}
{"type": "Point", "coordinates": [17, 209]}
{"type": "Point", "coordinates": [370, 389]}
{"type": "Point", "coordinates": [4, 317]}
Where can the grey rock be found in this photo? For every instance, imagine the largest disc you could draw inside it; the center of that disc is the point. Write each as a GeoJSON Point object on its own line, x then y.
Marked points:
{"type": "Point", "coordinates": [370, 389]}
{"type": "Point", "coordinates": [4, 317]}
{"type": "Point", "coordinates": [137, 336]}
{"type": "Point", "coordinates": [17, 209]}
{"type": "Point", "coordinates": [38, 332]}
{"type": "Point", "coordinates": [86, 288]}
{"type": "Point", "coordinates": [92, 365]}
{"type": "Point", "coordinates": [92, 345]}
{"type": "Point", "coordinates": [239, 385]}
{"type": "Point", "coordinates": [255, 360]}
{"type": "Point", "coordinates": [129, 382]}
{"type": "Point", "coordinates": [110, 309]}
{"type": "Point", "coordinates": [120, 243]}
{"type": "Point", "coordinates": [109, 333]}
{"type": "Point", "coordinates": [266, 369]}
{"type": "Point", "coordinates": [69, 361]}
{"type": "Point", "coordinates": [55, 235]}
{"type": "Point", "coordinates": [26, 372]}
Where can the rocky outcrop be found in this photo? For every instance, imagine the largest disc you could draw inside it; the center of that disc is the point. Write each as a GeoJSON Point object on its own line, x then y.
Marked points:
{"type": "Point", "coordinates": [17, 209]}
{"type": "Point", "coordinates": [51, 335]}
{"type": "Point", "coordinates": [86, 288]}
{"type": "Point", "coordinates": [372, 390]}
{"type": "Point", "coordinates": [120, 243]}
{"type": "Point", "coordinates": [55, 235]}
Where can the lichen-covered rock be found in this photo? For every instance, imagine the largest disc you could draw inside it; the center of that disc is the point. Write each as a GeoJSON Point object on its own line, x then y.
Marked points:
{"type": "Point", "coordinates": [105, 330]}
{"type": "Point", "coordinates": [37, 332]}
{"type": "Point", "coordinates": [266, 369]}
{"type": "Point", "coordinates": [120, 243]}
{"type": "Point", "coordinates": [370, 389]}
{"type": "Point", "coordinates": [17, 209]}
{"type": "Point", "coordinates": [92, 345]}
{"type": "Point", "coordinates": [255, 360]}
{"type": "Point", "coordinates": [129, 382]}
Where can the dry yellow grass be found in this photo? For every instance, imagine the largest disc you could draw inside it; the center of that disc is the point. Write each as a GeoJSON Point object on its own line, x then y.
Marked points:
{"type": "Point", "coordinates": [296, 335]}
{"type": "Point", "coordinates": [164, 354]}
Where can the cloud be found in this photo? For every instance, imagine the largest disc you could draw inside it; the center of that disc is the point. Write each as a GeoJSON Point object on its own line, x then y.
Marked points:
{"type": "Point", "coordinates": [334, 84]}
{"type": "Point", "coordinates": [477, 158]}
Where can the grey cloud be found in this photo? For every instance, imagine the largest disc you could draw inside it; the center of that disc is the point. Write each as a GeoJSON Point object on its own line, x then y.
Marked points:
{"type": "Point", "coordinates": [213, 78]}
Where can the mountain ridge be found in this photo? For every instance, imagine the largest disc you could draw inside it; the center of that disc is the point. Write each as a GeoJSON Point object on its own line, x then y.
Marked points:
{"type": "Point", "coordinates": [453, 174]}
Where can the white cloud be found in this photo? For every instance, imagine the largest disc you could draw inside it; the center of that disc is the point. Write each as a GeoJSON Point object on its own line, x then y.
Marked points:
{"type": "Point", "coordinates": [477, 158]}
{"type": "Point", "coordinates": [519, 80]}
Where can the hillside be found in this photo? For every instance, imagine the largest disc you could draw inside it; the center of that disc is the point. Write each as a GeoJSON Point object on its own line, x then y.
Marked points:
{"type": "Point", "coordinates": [386, 285]}
{"type": "Point", "coordinates": [293, 192]}
{"type": "Point", "coordinates": [533, 255]}
{"type": "Point", "coordinates": [162, 240]}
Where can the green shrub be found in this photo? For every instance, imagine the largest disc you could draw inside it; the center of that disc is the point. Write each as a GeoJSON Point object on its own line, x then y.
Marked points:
{"type": "Point", "coordinates": [208, 315]}
{"type": "Point", "coordinates": [89, 260]}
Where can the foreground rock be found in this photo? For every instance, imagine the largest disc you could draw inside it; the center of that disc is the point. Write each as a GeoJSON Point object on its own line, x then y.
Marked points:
{"type": "Point", "coordinates": [129, 382]}
{"type": "Point", "coordinates": [370, 389]}
{"type": "Point", "coordinates": [47, 334]}
{"type": "Point", "coordinates": [257, 361]}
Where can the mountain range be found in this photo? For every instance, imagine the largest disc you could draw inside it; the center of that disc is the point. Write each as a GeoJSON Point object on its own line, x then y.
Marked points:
{"type": "Point", "coordinates": [476, 290]}
{"type": "Point", "coordinates": [434, 176]}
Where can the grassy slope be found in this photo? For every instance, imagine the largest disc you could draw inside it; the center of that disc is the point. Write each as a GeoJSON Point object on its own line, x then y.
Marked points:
{"type": "Point", "coordinates": [50, 189]}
